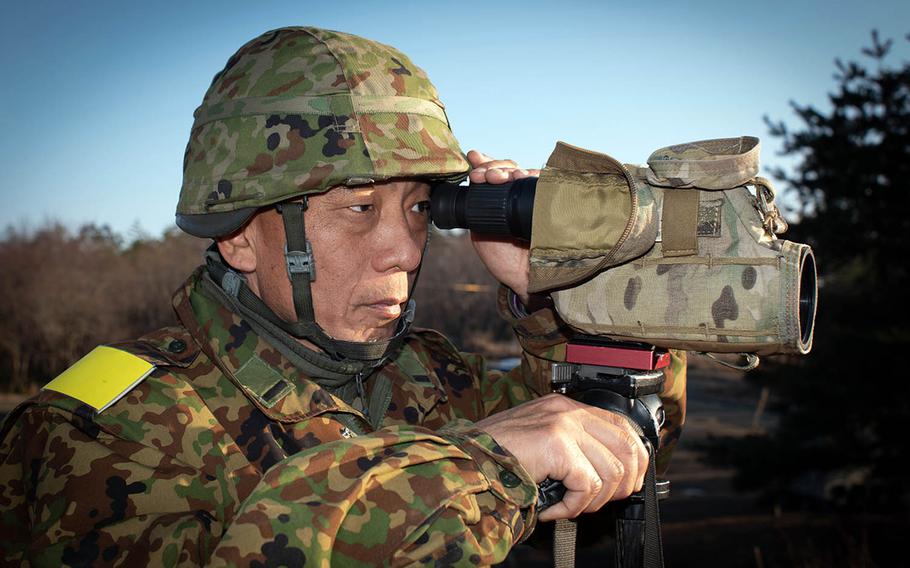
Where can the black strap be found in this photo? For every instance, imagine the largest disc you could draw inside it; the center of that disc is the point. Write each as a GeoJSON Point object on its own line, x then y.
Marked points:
{"type": "Point", "coordinates": [373, 352]}
{"type": "Point", "coordinates": [638, 540]}
{"type": "Point", "coordinates": [301, 271]}
{"type": "Point", "coordinates": [299, 258]}
{"type": "Point", "coordinates": [654, 548]}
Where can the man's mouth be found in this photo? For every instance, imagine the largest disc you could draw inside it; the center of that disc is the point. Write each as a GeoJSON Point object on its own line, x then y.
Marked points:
{"type": "Point", "coordinates": [386, 307]}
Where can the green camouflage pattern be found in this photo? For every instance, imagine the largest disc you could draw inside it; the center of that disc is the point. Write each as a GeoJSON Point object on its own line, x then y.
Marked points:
{"type": "Point", "coordinates": [206, 462]}
{"type": "Point", "coordinates": [673, 397]}
{"type": "Point", "coordinates": [737, 290]}
{"type": "Point", "coordinates": [299, 110]}
{"type": "Point", "coordinates": [175, 472]}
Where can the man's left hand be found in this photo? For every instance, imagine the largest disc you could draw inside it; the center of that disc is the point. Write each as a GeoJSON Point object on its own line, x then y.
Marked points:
{"type": "Point", "coordinates": [506, 259]}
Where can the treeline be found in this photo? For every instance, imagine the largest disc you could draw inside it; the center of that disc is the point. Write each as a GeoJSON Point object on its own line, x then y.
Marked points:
{"type": "Point", "coordinates": [843, 411]}
{"type": "Point", "coordinates": [63, 292]}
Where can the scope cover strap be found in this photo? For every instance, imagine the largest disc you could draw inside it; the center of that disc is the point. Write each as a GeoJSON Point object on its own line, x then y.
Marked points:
{"type": "Point", "coordinates": [564, 535]}
{"type": "Point", "coordinates": [679, 225]}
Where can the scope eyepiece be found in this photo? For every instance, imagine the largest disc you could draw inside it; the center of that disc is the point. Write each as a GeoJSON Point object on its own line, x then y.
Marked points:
{"type": "Point", "coordinates": [493, 209]}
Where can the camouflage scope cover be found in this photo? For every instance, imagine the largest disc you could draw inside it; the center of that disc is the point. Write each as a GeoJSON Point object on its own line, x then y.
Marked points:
{"type": "Point", "coordinates": [679, 253]}
{"type": "Point", "coordinates": [299, 110]}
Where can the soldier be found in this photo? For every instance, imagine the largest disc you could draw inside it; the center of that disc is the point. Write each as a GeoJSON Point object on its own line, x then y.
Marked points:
{"type": "Point", "coordinates": [294, 417]}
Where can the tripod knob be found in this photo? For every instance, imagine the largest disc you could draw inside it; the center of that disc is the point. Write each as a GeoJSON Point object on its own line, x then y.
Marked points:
{"type": "Point", "coordinates": [549, 492]}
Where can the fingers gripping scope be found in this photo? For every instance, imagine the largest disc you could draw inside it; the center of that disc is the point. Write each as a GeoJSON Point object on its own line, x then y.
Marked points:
{"type": "Point", "coordinates": [681, 253]}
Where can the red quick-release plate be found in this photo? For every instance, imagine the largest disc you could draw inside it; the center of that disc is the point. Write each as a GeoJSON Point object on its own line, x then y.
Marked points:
{"type": "Point", "coordinates": [623, 357]}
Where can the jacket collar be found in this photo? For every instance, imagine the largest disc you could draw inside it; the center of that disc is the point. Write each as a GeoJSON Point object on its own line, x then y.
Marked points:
{"type": "Point", "coordinates": [270, 380]}
{"type": "Point", "coordinates": [265, 376]}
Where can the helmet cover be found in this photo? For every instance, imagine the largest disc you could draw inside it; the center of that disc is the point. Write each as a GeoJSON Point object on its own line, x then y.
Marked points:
{"type": "Point", "coordinates": [299, 110]}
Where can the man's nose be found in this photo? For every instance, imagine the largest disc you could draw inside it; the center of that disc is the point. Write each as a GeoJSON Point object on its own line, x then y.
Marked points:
{"type": "Point", "coordinates": [399, 244]}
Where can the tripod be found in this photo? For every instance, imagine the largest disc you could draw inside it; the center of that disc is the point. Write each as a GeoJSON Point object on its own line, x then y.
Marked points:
{"type": "Point", "coordinates": [624, 378]}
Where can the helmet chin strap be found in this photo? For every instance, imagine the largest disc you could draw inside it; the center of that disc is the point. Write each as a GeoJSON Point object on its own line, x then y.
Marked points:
{"type": "Point", "coordinates": [301, 272]}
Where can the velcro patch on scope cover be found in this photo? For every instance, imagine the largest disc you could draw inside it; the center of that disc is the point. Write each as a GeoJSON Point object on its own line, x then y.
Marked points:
{"type": "Point", "coordinates": [102, 377]}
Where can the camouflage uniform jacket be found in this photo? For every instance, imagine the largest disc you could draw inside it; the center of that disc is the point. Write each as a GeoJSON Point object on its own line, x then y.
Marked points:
{"type": "Point", "coordinates": [225, 454]}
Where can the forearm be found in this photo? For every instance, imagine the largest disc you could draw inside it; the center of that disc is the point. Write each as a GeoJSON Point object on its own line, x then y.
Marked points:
{"type": "Point", "coordinates": [400, 494]}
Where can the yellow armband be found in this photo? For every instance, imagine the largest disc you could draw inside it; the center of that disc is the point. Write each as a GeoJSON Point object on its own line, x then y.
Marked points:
{"type": "Point", "coordinates": [102, 377]}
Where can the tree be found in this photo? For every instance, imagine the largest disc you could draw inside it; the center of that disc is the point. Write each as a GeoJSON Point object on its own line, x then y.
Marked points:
{"type": "Point", "coordinates": [845, 408]}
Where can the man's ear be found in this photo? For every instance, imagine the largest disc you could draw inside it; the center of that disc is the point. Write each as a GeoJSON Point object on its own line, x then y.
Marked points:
{"type": "Point", "coordinates": [238, 250]}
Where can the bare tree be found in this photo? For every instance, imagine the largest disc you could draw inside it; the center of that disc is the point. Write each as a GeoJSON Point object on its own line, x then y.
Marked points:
{"type": "Point", "coordinates": [61, 294]}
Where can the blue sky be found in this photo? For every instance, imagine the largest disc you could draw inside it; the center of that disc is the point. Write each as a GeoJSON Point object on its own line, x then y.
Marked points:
{"type": "Point", "coordinates": [96, 98]}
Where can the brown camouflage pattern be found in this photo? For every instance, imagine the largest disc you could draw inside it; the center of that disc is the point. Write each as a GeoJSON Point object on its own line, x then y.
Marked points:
{"type": "Point", "coordinates": [299, 110]}
{"type": "Point", "coordinates": [736, 290]}
{"type": "Point", "coordinates": [719, 163]}
{"type": "Point", "coordinates": [738, 293]}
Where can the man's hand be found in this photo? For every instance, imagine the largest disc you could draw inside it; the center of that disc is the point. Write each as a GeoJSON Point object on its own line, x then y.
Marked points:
{"type": "Point", "coordinates": [506, 260]}
{"type": "Point", "coordinates": [595, 453]}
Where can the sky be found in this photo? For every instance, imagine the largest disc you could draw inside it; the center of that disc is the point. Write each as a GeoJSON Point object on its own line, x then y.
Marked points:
{"type": "Point", "coordinates": [97, 98]}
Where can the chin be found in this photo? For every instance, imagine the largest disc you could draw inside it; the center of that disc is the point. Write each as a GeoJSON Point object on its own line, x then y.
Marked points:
{"type": "Point", "coordinates": [379, 333]}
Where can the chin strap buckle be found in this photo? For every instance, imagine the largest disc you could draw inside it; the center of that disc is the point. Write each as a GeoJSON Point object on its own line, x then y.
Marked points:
{"type": "Point", "coordinates": [300, 262]}
{"type": "Point", "coordinates": [231, 282]}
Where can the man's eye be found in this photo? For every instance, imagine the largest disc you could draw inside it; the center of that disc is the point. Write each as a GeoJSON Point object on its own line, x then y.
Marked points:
{"type": "Point", "coordinates": [421, 207]}
{"type": "Point", "coordinates": [362, 208]}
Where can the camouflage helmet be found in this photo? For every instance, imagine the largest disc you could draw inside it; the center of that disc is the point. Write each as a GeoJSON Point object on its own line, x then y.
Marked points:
{"type": "Point", "coordinates": [299, 110]}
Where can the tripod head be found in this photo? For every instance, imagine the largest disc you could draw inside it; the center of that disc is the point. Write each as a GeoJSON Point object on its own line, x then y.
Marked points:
{"type": "Point", "coordinates": [623, 377]}
{"type": "Point", "coordinates": [626, 378]}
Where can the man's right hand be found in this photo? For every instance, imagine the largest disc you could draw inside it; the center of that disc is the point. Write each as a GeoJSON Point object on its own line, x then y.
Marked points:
{"type": "Point", "coordinates": [595, 453]}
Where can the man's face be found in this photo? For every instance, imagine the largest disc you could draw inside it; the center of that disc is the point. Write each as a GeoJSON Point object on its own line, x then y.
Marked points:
{"type": "Point", "coordinates": [367, 243]}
